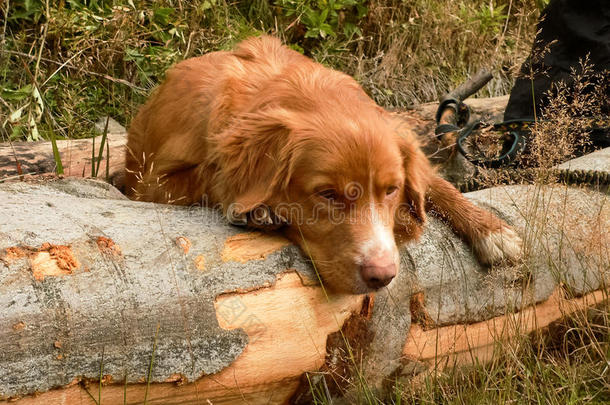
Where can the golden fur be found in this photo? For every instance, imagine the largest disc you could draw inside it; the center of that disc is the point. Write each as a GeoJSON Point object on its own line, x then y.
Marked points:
{"type": "Point", "coordinates": [278, 140]}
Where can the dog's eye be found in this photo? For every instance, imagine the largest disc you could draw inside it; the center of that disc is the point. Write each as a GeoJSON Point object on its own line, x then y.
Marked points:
{"type": "Point", "coordinates": [328, 194]}
{"type": "Point", "coordinates": [391, 190]}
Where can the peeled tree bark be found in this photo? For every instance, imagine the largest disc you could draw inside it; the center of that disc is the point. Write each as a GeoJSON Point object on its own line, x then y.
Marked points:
{"type": "Point", "coordinates": [186, 308]}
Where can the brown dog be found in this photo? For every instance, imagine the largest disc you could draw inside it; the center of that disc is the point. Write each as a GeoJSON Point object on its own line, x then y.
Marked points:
{"type": "Point", "coordinates": [279, 140]}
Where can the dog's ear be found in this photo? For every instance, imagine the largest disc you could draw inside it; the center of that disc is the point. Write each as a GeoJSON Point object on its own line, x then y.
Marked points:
{"type": "Point", "coordinates": [417, 174]}
{"type": "Point", "coordinates": [416, 167]}
{"type": "Point", "coordinates": [415, 189]}
{"type": "Point", "coordinates": [257, 165]}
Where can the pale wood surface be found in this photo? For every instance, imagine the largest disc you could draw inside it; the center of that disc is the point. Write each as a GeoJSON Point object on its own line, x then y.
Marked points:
{"type": "Point", "coordinates": [210, 261]}
{"type": "Point", "coordinates": [302, 329]}
{"type": "Point", "coordinates": [298, 319]}
{"type": "Point", "coordinates": [465, 343]}
{"type": "Point", "coordinates": [32, 158]}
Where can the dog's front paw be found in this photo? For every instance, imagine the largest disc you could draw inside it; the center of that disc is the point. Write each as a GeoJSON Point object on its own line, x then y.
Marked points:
{"type": "Point", "coordinates": [503, 245]}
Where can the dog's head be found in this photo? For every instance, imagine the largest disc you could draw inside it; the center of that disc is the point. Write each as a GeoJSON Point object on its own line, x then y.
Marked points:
{"type": "Point", "coordinates": [340, 181]}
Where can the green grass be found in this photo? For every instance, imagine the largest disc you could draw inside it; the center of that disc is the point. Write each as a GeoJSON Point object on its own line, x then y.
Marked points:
{"type": "Point", "coordinates": [566, 363]}
{"type": "Point", "coordinates": [66, 64]}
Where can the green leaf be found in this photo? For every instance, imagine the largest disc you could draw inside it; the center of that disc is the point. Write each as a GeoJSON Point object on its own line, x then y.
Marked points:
{"type": "Point", "coordinates": [39, 102]}
{"type": "Point", "coordinates": [31, 6]}
{"type": "Point", "coordinates": [15, 116]}
{"type": "Point", "coordinates": [323, 15]}
{"type": "Point", "coordinates": [34, 135]}
{"type": "Point", "coordinates": [362, 11]}
{"type": "Point", "coordinates": [132, 54]}
{"type": "Point", "coordinates": [17, 95]}
{"type": "Point", "coordinates": [162, 15]}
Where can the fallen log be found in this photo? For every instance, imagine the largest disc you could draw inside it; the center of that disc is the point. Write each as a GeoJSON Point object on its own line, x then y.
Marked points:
{"type": "Point", "coordinates": [171, 305]}
{"type": "Point", "coordinates": [18, 159]}
{"type": "Point", "coordinates": [466, 343]}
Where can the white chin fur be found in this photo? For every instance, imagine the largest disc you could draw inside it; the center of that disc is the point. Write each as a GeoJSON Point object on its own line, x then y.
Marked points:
{"type": "Point", "coordinates": [497, 247]}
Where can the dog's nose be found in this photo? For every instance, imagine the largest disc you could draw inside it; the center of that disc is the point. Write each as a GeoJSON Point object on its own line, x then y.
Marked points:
{"type": "Point", "coordinates": [378, 273]}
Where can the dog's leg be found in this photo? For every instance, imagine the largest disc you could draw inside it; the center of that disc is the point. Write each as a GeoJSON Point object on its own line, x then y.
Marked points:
{"type": "Point", "coordinates": [492, 239]}
{"type": "Point", "coordinates": [168, 183]}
